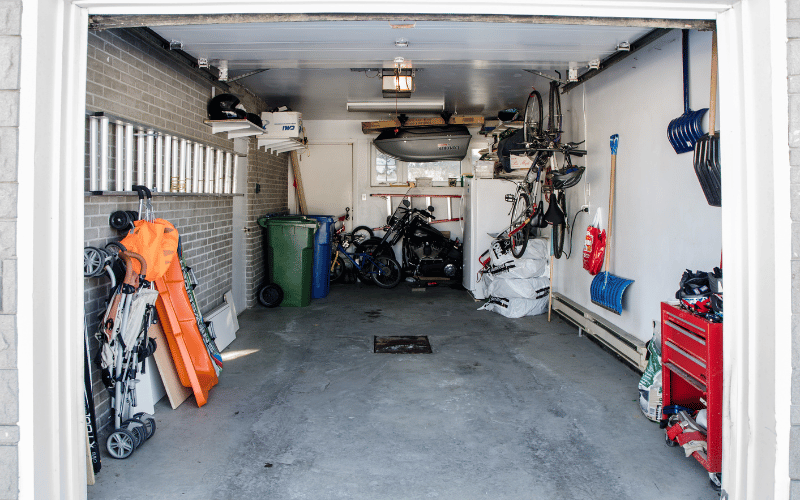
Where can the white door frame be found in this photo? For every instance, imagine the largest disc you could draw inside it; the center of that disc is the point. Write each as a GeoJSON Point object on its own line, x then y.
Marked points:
{"type": "Point", "coordinates": [757, 253]}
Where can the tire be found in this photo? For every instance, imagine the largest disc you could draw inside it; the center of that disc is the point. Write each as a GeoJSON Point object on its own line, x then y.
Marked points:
{"type": "Point", "coordinates": [149, 423]}
{"type": "Point", "coordinates": [386, 273]}
{"type": "Point", "coordinates": [374, 247]}
{"type": "Point", "coordinates": [93, 261]}
{"type": "Point", "coordinates": [532, 127]}
{"type": "Point", "coordinates": [337, 270]}
{"type": "Point", "coordinates": [361, 234]}
{"type": "Point", "coordinates": [120, 444]}
{"type": "Point", "coordinates": [559, 230]}
{"type": "Point", "coordinates": [554, 114]}
{"type": "Point", "coordinates": [270, 295]}
{"type": "Point", "coordinates": [520, 211]}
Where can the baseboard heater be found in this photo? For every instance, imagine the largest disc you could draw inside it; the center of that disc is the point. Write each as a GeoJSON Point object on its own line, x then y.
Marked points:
{"type": "Point", "coordinates": [629, 348]}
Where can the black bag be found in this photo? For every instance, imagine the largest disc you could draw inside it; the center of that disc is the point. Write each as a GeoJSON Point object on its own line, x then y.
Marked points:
{"type": "Point", "coordinates": [510, 143]}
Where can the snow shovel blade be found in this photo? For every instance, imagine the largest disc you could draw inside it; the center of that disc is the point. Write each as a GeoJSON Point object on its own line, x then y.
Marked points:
{"type": "Point", "coordinates": [707, 168]}
{"type": "Point", "coordinates": [607, 291]}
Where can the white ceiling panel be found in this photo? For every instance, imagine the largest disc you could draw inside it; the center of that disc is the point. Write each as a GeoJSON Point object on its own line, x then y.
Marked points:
{"type": "Point", "coordinates": [475, 67]}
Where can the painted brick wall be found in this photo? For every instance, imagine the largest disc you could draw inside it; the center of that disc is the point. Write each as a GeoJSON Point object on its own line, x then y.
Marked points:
{"type": "Point", "coordinates": [131, 80]}
{"type": "Point", "coordinates": [268, 175]}
{"type": "Point", "coordinates": [204, 224]}
{"type": "Point", "coordinates": [10, 12]}
{"type": "Point", "coordinates": [793, 31]}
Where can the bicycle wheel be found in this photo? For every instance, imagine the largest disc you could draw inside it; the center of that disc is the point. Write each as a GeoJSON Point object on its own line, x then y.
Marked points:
{"type": "Point", "coordinates": [337, 270]}
{"type": "Point", "coordinates": [385, 272]}
{"type": "Point", "coordinates": [361, 234]}
{"type": "Point", "coordinates": [374, 247]}
{"type": "Point", "coordinates": [554, 116]}
{"type": "Point", "coordinates": [532, 128]}
{"type": "Point", "coordinates": [559, 230]}
{"type": "Point", "coordinates": [519, 212]}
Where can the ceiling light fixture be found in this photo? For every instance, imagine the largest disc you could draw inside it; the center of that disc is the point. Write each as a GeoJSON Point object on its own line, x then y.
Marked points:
{"type": "Point", "coordinates": [404, 106]}
{"type": "Point", "coordinates": [398, 81]}
{"type": "Point", "coordinates": [401, 42]}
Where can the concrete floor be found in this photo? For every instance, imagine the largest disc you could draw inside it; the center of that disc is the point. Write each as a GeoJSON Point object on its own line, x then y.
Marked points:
{"type": "Point", "coordinates": [503, 409]}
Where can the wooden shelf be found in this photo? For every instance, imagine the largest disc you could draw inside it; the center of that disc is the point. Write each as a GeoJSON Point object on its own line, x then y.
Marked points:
{"type": "Point", "coordinates": [280, 145]}
{"type": "Point", "coordinates": [234, 128]}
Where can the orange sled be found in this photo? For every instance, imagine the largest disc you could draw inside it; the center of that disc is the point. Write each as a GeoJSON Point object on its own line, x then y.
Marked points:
{"type": "Point", "coordinates": [194, 365]}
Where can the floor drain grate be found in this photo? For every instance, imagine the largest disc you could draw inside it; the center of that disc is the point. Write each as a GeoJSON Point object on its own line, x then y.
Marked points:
{"type": "Point", "coordinates": [403, 345]}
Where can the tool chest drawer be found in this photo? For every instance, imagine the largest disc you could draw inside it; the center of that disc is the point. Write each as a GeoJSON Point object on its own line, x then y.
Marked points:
{"type": "Point", "coordinates": [691, 358]}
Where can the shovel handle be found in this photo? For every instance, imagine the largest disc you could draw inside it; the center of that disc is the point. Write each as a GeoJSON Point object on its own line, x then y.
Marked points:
{"type": "Point", "coordinates": [712, 119]}
{"type": "Point", "coordinates": [614, 144]}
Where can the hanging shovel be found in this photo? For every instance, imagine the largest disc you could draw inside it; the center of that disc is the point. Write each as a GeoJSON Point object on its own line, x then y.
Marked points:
{"type": "Point", "coordinates": [684, 130]}
{"type": "Point", "coordinates": [706, 152]}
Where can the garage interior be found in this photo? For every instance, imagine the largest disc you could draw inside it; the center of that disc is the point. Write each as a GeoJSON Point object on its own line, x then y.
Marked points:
{"type": "Point", "coordinates": [503, 408]}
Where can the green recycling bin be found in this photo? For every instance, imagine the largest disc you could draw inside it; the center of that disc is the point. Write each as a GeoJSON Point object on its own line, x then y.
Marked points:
{"type": "Point", "coordinates": [291, 257]}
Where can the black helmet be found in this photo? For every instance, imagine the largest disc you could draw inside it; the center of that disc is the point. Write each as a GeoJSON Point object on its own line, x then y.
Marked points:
{"type": "Point", "coordinates": [567, 177]}
{"type": "Point", "coordinates": [255, 119]}
{"type": "Point", "coordinates": [508, 115]}
{"type": "Point", "coordinates": [223, 107]}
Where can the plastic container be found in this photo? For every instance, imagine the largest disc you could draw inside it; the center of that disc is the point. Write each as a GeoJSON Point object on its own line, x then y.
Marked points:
{"type": "Point", "coordinates": [321, 273]}
{"type": "Point", "coordinates": [291, 257]}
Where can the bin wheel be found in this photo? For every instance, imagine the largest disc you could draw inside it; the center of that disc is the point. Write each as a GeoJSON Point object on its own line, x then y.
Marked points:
{"type": "Point", "coordinates": [270, 295]}
{"type": "Point", "coordinates": [149, 423]}
{"type": "Point", "coordinates": [120, 443]}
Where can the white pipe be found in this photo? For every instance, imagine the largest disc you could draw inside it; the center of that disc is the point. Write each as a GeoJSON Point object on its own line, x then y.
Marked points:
{"type": "Point", "coordinates": [182, 168]}
{"type": "Point", "coordinates": [149, 160]}
{"type": "Point", "coordinates": [140, 178]}
{"type": "Point", "coordinates": [119, 169]}
{"type": "Point", "coordinates": [94, 175]}
{"type": "Point", "coordinates": [103, 154]}
{"type": "Point", "coordinates": [128, 157]}
{"type": "Point", "coordinates": [176, 167]}
{"type": "Point", "coordinates": [167, 181]}
{"type": "Point", "coordinates": [159, 163]}
{"type": "Point", "coordinates": [218, 173]}
{"type": "Point", "coordinates": [226, 183]}
{"type": "Point", "coordinates": [196, 168]}
{"type": "Point", "coordinates": [209, 176]}
{"type": "Point", "coordinates": [235, 178]}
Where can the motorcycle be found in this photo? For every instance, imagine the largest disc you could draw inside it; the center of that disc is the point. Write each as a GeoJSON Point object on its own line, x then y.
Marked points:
{"type": "Point", "coordinates": [426, 252]}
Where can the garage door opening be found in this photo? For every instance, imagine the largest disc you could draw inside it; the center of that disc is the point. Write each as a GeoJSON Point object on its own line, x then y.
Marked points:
{"type": "Point", "coordinates": [583, 105]}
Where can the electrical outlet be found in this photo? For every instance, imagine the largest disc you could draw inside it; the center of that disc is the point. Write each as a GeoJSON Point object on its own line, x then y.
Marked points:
{"type": "Point", "coordinates": [364, 197]}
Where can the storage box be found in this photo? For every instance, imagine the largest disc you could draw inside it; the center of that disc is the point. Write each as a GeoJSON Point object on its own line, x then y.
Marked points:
{"type": "Point", "coordinates": [484, 169]}
{"type": "Point", "coordinates": [283, 125]}
{"type": "Point", "coordinates": [519, 162]}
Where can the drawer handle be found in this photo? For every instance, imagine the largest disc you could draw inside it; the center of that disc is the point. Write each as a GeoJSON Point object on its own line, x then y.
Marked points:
{"type": "Point", "coordinates": [685, 354]}
{"type": "Point", "coordinates": [686, 332]}
{"type": "Point", "coordinates": [687, 323]}
{"type": "Point", "coordinates": [685, 376]}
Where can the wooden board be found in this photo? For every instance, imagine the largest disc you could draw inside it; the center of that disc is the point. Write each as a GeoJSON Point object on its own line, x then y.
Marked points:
{"type": "Point", "coordinates": [378, 126]}
{"type": "Point", "coordinates": [176, 392]}
{"type": "Point", "coordinates": [298, 181]}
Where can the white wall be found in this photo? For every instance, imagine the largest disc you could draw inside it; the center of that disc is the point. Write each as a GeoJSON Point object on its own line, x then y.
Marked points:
{"type": "Point", "coordinates": [662, 223]}
{"type": "Point", "coordinates": [373, 211]}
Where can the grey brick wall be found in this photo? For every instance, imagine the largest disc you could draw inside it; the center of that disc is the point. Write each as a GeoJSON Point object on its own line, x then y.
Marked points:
{"type": "Point", "coordinates": [204, 223]}
{"type": "Point", "coordinates": [10, 42]}
{"type": "Point", "coordinates": [793, 66]}
{"type": "Point", "coordinates": [131, 80]}
{"type": "Point", "coordinates": [268, 173]}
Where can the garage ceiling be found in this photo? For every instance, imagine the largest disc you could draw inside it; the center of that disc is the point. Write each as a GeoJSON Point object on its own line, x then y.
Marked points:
{"type": "Point", "coordinates": [475, 67]}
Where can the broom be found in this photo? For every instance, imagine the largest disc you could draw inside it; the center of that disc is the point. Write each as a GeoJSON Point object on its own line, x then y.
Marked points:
{"type": "Point", "coordinates": [607, 289]}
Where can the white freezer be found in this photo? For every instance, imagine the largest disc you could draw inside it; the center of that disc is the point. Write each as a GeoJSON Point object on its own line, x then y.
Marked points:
{"type": "Point", "coordinates": [485, 211]}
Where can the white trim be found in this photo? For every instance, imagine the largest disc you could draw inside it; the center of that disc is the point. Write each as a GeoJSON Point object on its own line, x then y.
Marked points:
{"type": "Point", "coordinates": [25, 263]}
{"type": "Point", "coordinates": [750, 469]}
{"type": "Point", "coordinates": [578, 8]}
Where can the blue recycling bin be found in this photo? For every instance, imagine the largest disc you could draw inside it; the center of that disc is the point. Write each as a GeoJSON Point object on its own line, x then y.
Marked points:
{"type": "Point", "coordinates": [321, 273]}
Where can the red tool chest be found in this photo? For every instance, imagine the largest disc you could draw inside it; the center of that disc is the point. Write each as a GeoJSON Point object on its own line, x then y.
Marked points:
{"type": "Point", "coordinates": [691, 359]}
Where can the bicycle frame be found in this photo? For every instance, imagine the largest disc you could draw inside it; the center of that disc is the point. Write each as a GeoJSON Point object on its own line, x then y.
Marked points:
{"type": "Point", "coordinates": [362, 256]}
